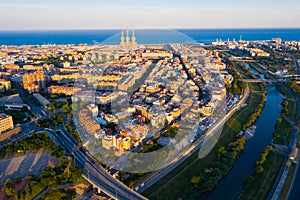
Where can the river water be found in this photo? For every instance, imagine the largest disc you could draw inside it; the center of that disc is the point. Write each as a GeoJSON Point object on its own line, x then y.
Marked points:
{"type": "Point", "coordinates": [231, 186]}
{"type": "Point", "coordinates": [254, 71]}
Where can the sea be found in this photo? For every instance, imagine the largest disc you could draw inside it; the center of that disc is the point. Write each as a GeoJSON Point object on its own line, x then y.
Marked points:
{"type": "Point", "coordinates": [144, 36]}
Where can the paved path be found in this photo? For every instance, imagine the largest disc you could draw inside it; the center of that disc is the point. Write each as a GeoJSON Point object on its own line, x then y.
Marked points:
{"type": "Point", "coordinates": [281, 183]}
{"type": "Point", "coordinates": [154, 177]}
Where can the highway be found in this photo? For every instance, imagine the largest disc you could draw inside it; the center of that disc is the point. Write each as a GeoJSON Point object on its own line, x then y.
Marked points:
{"type": "Point", "coordinates": [94, 172]}
{"type": "Point", "coordinates": [39, 111]}
{"type": "Point", "coordinates": [91, 169]}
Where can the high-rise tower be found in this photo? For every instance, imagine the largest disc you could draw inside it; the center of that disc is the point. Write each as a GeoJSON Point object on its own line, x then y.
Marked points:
{"type": "Point", "coordinates": [128, 41]}
{"type": "Point", "coordinates": [133, 38]}
{"type": "Point", "coordinates": [127, 38]}
{"type": "Point", "coordinates": [122, 43]}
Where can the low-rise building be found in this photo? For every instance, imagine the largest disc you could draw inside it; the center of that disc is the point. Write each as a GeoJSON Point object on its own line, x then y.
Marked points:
{"type": "Point", "coordinates": [5, 83]}
{"type": "Point", "coordinates": [42, 100]}
{"type": "Point", "coordinates": [63, 90]}
{"type": "Point", "coordinates": [6, 122]}
{"type": "Point", "coordinates": [93, 109]}
{"type": "Point", "coordinates": [88, 122]}
{"type": "Point", "coordinates": [33, 82]}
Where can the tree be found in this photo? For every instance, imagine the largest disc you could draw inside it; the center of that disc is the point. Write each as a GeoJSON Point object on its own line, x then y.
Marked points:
{"type": "Point", "coordinates": [259, 169]}
{"type": "Point", "coordinates": [66, 108]}
{"type": "Point", "coordinates": [61, 119]}
{"type": "Point", "coordinates": [276, 135]}
{"type": "Point", "coordinates": [221, 151]}
{"type": "Point", "coordinates": [196, 179]}
{"type": "Point", "coordinates": [298, 123]}
{"type": "Point", "coordinates": [285, 103]}
{"type": "Point", "coordinates": [8, 188]}
{"type": "Point", "coordinates": [284, 111]}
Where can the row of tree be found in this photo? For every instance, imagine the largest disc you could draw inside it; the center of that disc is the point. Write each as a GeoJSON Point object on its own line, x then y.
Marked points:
{"type": "Point", "coordinates": [262, 159]}
{"type": "Point", "coordinates": [208, 178]}
{"type": "Point", "coordinates": [254, 116]}
{"type": "Point", "coordinates": [73, 132]}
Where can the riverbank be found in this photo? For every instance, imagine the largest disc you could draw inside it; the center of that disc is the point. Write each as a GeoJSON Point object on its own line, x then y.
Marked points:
{"type": "Point", "coordinates": [178, 183]}
{"type": "Point", "coordinates": [260, 185]}
{"type": "Point", "coordinates": [285, 190]}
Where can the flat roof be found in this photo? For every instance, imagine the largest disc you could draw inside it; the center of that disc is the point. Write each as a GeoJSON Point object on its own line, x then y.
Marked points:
{"type": "Point", "coordinates": [13, 99]}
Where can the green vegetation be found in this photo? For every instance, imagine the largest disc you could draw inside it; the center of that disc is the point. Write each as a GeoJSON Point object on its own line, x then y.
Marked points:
{"type": "Point", "coordinates": [59, 194]}
{"type": "Point", "coordinates": [19, 116]}
{"type": "Point", "coordinates": [55, 96]}
{"type": "Point", "coordinates": [237, 86]}
{"type": "Point", "coordinates": [49, 61]}
{"type": "Point", "coordinates": [60, 111]}
{"type": "Point", "coordinates": [8, 188]}
{"type": "Point", "coordinates": [34, 143]}
{"type": "Point", "coordinates": [256, 114]}
{"type": "Point", "coordinates": [291, 100]}
{"type": "Point", "coordinates": [283, 132]}
{"type": "Point", "coordinates": [170, 132]}
{"type": "Point", "coordinates": [62, 173]}
{"type": "Point", "coordinates": [75, 133]}
{"type": "Point", "coordinates": [269, 164]}
{"type": "Point", "coordinates": [151, 146]}
{"type": "Point", "coordinates": [50, 121]}
{"type": "Point", "coordinates": [208, 178]}
{"type": "Point", "coordinates": [259, 185]}
{"type": "Point", "coordinates": [185, 180]}
{"type": "Point", "coordinates": [60, 108]}
{"type": "Point", "coordinates": [283, 128]}
{"type": "Point", "coordinates": [276, 60]}
{"type": "Point", "coordinates": [295, 87]}
{"type": "Point", "coordinates": [129, 178]}
{"type": "Point", "coordinates": [263, 158]}
{"type": "Point", "coordinates": [284, 193]}
{"type": "Point", "coordinates": [262, 69]}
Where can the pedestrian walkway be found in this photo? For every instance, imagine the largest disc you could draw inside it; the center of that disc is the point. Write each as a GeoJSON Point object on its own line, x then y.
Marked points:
{"type": "Point", "coordinates": [281, 183]}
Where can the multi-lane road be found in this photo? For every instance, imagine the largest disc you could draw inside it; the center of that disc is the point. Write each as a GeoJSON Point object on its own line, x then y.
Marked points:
{"type": "Point", "coordinates": [39, 111]}
{"type": "Point", "coordinates": [93, 171]}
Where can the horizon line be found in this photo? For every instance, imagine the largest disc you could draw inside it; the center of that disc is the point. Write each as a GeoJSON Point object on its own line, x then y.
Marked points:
{"type": "Point", "coordinates": [166, 28]}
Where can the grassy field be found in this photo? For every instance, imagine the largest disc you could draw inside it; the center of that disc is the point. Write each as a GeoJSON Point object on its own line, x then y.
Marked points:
{"type": "Point", "coordinates": [258, 187]}
{"type": "Point", "coordinates": [292, 103]}
{"type": "Point", "coordinates": [178, 182]}
{"type": "Point", "coordinates": [244, 74]}
{"type": "Point", "coordinates": [284, 129]}
{"type": "Point", "coordinates": [288, 182]}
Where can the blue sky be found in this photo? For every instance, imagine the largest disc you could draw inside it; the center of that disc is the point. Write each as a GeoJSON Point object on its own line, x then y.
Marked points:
{"type": "Point", "coordinates": [107, 14]}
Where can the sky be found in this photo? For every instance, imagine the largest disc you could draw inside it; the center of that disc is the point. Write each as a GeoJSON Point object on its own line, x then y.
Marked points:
{"type": "Point", "coordinates": [113, 14]}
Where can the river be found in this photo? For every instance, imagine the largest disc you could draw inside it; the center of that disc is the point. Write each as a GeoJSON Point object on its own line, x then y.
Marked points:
{"type": "Point", "coordinates": [230, 187]}
{"type": "Point", "coordinates": [254, 71]}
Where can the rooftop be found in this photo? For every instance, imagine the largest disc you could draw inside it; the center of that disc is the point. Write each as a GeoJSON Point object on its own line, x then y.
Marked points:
{"type": "Point", "coordinates": [3, 115]}
{"type": "Point", "coordinates": [13, 99]}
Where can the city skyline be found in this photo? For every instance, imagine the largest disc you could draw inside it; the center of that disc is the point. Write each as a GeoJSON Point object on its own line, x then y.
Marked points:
{"type": "Point", "coordinates": [70, 15]}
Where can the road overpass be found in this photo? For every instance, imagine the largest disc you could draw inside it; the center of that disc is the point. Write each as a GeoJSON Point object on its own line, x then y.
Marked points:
{"type": "Point", "coordinates": [264, 81]}
{"type": "Point", "coordinates": [284, 79]}
{"type": "Point", "coordinates": [94, 172]}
